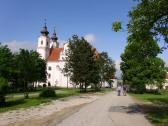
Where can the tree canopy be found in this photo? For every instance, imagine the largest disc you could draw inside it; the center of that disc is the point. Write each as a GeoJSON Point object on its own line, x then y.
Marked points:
{"type": "Point", "coordinates": [85, 65]}
{"type": "Point", "coordinates": [148, 25]}
{"type": "Point", "coordinates": [21, 69]}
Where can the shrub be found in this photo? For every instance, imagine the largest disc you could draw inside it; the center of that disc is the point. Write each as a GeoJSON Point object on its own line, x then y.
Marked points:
{"type": "Point", "coordinates": [48, 92]}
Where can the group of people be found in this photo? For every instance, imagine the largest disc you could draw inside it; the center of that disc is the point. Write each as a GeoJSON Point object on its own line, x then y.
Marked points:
{"type": "Point", "coordinates": [121, 89]}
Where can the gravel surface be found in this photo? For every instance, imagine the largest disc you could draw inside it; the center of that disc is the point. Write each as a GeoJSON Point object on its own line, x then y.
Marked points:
{"type": "Point", "coordinates": [109, 110]}
{"type": "Point", "coordinates": [14, 117]}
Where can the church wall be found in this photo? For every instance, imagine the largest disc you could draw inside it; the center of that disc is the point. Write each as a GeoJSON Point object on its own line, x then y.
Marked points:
{"type": "Point", "coordinates": [55, 75]}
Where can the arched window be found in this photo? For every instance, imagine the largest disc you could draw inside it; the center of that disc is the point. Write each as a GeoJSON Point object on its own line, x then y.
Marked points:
{"type": "Point", "coordinates": [47, 43]}
{"type": "Point", "coordinates": [41, 42]}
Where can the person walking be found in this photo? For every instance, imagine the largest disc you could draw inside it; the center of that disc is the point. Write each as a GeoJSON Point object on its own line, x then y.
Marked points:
{"type": "Point", "coordinates": [124, 90]}
{"type": "Point", "coordinates": [119, 90]}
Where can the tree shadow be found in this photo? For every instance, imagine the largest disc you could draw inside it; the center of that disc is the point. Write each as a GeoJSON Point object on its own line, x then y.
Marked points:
{"type": "Point", "coordinates": [12, 103]}
{"type": "Point", "coordinates": [131, 109]}
{"type": "Point", "coordinates": [155, 113]}
{"type": "Point", "coordinates": [159, 101]}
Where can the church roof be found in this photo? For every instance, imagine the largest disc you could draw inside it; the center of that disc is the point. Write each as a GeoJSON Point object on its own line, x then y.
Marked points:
{"type": "Point", "coordinates": [55, 54]}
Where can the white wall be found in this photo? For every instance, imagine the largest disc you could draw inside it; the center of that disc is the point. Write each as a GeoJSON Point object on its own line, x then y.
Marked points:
{"type": "Point", "coordinates": [43, 48]}
{"type": "Point", "coordinates": [57, 77]}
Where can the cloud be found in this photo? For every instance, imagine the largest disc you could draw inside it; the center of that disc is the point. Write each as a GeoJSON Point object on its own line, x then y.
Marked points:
{"type": "Point", "coordinates": [16, 45]}
{"type": "Point", "coordinates": [118, 64]}
{"type": "Point", "coordinates": [90, 37]}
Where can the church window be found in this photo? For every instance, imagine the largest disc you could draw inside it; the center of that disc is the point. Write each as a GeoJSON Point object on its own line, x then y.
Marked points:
{"type": "Point", "coordinates": [49, 68]}
{"type": "Point", "coordinates": [49, 75]}
{"type": "Point", "coordinates": [41, 42]}
{"type": "Point", "coordinates": [47, 43]}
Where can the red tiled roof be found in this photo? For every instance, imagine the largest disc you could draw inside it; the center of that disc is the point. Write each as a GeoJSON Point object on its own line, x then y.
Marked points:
{"type": "Point", "coordinates": [55, 54]}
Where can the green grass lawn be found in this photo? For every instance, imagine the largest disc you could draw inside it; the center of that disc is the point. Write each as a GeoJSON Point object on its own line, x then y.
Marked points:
{"type": "Point", "coordinates": [17, 100]}
{"type": "Point", "coordinates": [157, 112]}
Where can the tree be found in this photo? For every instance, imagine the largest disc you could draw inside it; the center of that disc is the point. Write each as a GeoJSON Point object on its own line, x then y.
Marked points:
{"type": "Point", "coordinates": [107, 67]}
{"type": "Point", "coordinates": [140, 64]}
{"type": "Point", "coordinates": [148, 24]}
{"type": "Point", "coordinates": [6, 62]}
{"type": "Point", "coordinates": [149, 17]}
{"type": "Point", "coordinates": [3, 89]}
{"type": "Point", "coordinates": [30, 68]}
{"type": "Point", "coordinates": [81, 63]}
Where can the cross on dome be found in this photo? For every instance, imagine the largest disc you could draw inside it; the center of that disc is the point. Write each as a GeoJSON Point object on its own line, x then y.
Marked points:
{"type": "Point", "coordinates": [44, 31]}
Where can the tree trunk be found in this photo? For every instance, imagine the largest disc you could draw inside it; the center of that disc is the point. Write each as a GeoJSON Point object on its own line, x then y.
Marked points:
{"type": "Point", "coordinates": [2, 100]}
{"type": "Point", "coordinates": [85, 88]}
{"type": "Point", "coordinates": [67, 81]}
{"type": "Point", "coordinates": [26, 93]}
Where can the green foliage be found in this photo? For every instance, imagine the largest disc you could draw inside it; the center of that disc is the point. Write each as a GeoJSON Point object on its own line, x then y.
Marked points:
{"type": "Point", "coordinates": [6, 62]}
{"type": "Point", "coordinates": [107, 67]}
{"type": "Point", "coordinates": [81, 63]}
{"type": "Point", "coordinates": [48, 92]}
{"type": "Point", "coordinates": [30, 68]}
{"type": "Point", "coordinates": [149, 17]}
{"type": "Point", "coordinates": [117, 26]}
{"type": "Point", "coordinates": [3, 89]}
{"type": "Point", "coordinates": [140, 64]}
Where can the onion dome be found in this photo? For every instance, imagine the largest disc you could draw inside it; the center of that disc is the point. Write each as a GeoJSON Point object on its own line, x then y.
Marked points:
{"type": "Point", "coordinates": [44, 31]}
{"type": "Point", "coordinates": [54, 37]}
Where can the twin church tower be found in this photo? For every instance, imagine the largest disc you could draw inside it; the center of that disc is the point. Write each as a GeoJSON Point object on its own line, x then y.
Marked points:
{"type": "Point", "coordinates": [45, 43]}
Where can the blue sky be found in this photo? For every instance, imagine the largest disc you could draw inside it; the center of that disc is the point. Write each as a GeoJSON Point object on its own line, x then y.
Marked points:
{"type": "Point", "coordinates": [22, 20]}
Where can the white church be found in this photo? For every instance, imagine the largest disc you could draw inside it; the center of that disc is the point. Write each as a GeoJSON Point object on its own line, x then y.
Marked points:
{"type": "Point", "coordinates": [48, 48]}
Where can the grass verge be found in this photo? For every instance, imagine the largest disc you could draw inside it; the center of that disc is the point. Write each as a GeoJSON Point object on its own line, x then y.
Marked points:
{"type": "Point", "coordinates": [157, 107]}
{"type": "Point", "coordinates": [17, 101]}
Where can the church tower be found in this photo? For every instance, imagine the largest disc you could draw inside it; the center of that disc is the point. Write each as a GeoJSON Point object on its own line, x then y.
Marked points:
{"type": "Point", "coordinates": [54, 39]}
{"type": "Point", "coordinates": [44, 43]}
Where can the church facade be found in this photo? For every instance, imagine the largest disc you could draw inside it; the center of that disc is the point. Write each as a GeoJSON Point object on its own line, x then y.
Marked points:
{"type": "Point", "coordinates": [48, 48]}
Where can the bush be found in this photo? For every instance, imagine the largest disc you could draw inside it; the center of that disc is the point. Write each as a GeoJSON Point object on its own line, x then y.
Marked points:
{"type": "Point", "coordinates": [48, 92]}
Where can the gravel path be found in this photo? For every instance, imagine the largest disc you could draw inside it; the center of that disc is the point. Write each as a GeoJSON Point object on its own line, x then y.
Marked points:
{"type": "Point", "coordinates": [109, 110]}
{"type": "Point", "coordinates": [20, 116]}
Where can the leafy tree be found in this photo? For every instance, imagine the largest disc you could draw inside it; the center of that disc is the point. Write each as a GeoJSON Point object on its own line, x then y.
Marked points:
{"type": "Point", "coordinates": [107, 67]}
{"type": "Point", "coordinates": [81, 63]}
{"type": "Point", "coordinates": [3, 89]}
{"type": "Point", "coordinates": [6, 63]}
{"type": "Point", "coordinates": [30, 68]}
{"type": "Point", "coordinates": [149, 17]}
{"type": "Point", "coordinates": [140, 64]}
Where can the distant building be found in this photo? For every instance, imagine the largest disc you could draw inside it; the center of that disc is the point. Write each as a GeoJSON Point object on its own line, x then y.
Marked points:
{"type": "Point", "coordinates": [154, 87]}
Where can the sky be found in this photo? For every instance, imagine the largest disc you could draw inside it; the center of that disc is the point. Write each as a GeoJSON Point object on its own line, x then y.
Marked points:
{"type": "Point", "coordinates": [22, 20]}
